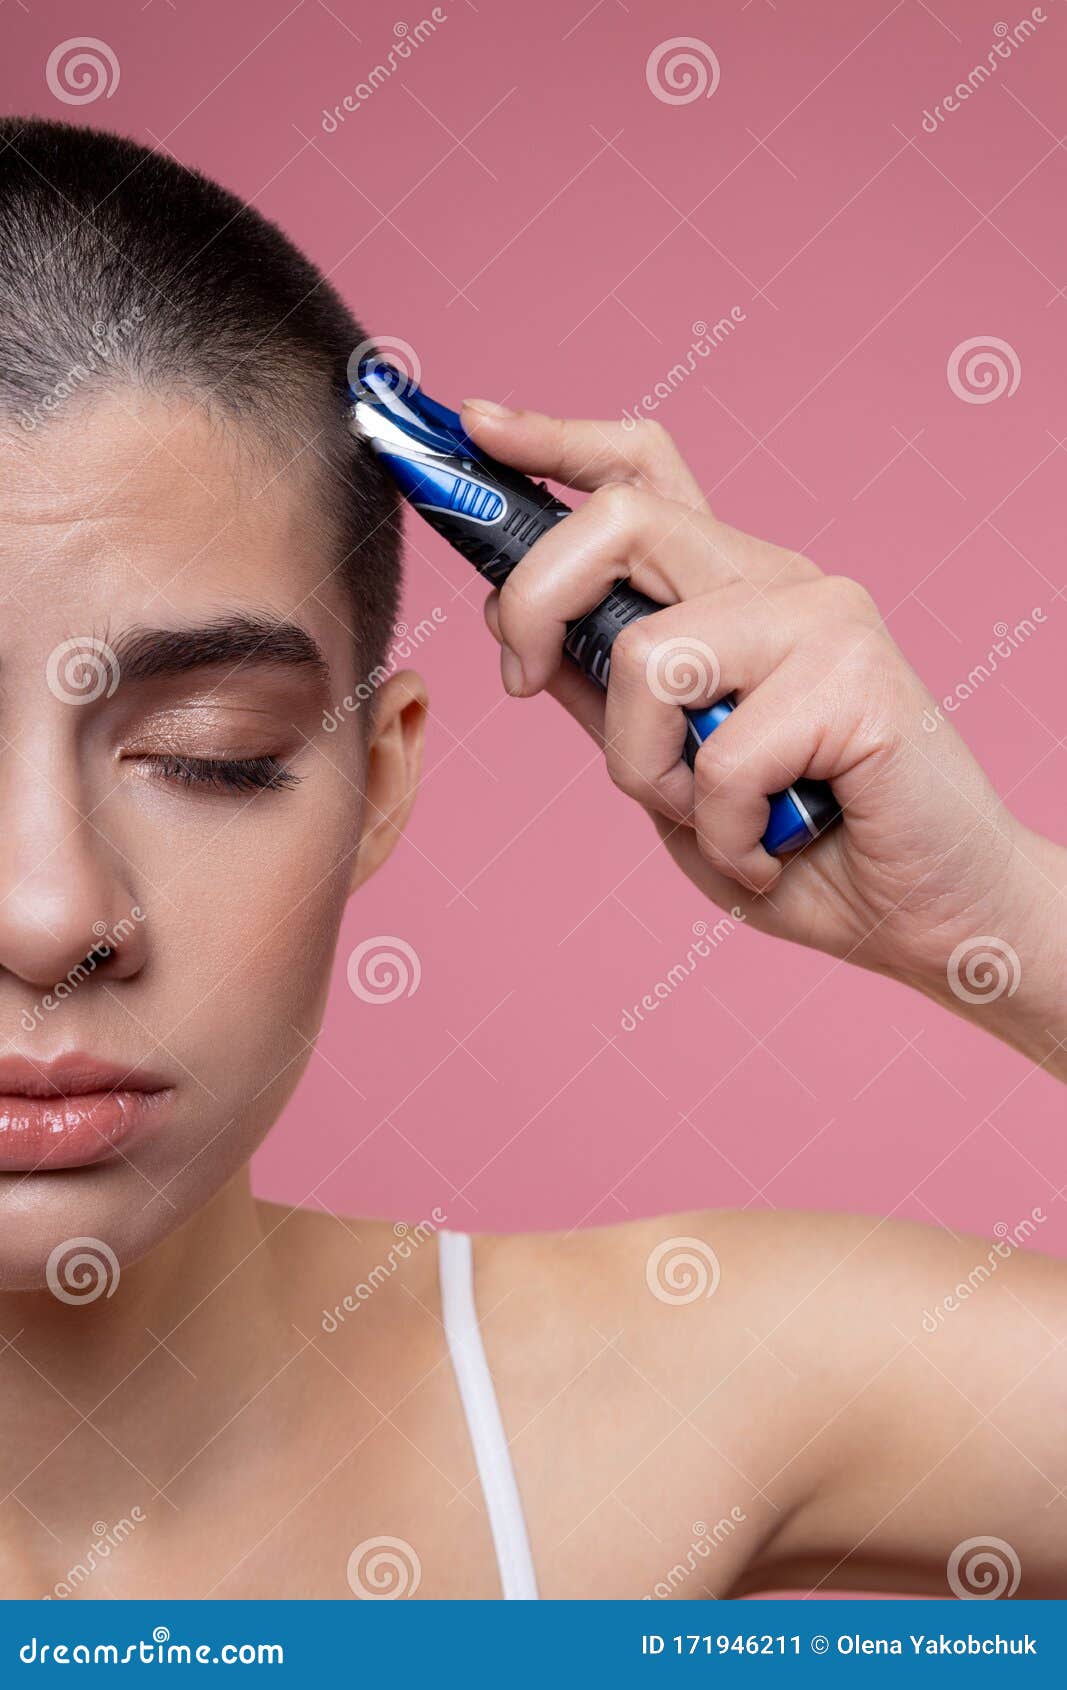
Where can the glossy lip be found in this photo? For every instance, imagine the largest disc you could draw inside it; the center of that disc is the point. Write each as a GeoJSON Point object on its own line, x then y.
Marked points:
{"type": "Point", "coordinates": [72, 1110]}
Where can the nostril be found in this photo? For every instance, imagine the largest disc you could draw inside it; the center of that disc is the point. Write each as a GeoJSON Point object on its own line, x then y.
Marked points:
{"type": "Point", "coordinates": [46, 941]}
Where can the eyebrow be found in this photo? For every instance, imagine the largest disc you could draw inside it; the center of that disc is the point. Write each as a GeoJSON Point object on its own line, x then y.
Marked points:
{"type": "Point", "coordinates": [146, 654]}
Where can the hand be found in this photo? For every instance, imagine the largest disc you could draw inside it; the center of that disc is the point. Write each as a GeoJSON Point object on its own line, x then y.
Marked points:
{"type": "Point", "coordinates": [927, 858]}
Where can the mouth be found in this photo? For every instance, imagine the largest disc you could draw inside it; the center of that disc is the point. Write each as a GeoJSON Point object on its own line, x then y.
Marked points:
{"type": "Point", "coordinates": [72, 1110]}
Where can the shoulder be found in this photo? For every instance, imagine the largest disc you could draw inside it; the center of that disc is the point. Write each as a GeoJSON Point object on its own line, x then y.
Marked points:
{"type": "Point", "coordinates": [694, 1300]}
{"type": "Point", "coordinates": [643, 1320]}
{"type": "Point", "coordinates": [702, 1267]}
{"type": "Point", "coordinates": [650, 1388]}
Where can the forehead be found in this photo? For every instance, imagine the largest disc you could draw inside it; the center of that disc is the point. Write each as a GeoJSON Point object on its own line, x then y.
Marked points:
{"type": "Point", "coordinates": [137, 506]}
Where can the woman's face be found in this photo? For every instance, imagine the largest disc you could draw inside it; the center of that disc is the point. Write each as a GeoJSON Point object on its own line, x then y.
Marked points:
{"type": "Point", "coordinates": [171, 634]}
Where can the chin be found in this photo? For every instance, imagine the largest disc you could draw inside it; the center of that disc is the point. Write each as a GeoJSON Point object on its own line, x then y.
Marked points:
{"type": "Point", "coordinates": [74, 1231]}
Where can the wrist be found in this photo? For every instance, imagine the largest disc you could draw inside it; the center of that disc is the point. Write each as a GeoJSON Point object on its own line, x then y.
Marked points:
{"type": "Point", "coordinates": [1007, 972]}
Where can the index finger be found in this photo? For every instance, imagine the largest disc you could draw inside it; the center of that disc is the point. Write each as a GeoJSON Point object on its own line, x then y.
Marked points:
{"type": "Point", "coordinates": [584, 454]}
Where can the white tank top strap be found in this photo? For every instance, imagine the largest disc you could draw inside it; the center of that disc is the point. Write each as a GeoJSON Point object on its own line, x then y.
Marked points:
{"type": "Point", "coordinates": [485, 1427]}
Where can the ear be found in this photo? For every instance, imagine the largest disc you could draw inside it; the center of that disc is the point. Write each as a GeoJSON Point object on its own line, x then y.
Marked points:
{"type": "Point", "coordinates": [394, 763]}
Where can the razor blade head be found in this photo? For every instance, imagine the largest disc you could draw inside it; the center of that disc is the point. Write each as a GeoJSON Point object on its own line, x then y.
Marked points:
{"type": "Point", "coordinates": [389, 409]}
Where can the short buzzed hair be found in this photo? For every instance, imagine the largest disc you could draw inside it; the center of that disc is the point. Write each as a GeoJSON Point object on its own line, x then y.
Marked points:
{"type": "Point", "coordinates": [120, 266]}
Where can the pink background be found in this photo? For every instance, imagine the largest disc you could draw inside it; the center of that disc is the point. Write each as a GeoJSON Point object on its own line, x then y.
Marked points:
{"type": "Point", "coordinates": [517, 205]}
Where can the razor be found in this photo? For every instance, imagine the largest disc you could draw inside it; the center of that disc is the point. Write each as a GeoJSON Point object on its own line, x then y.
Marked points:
{"type": "Point", "coordinates": [493, 515]}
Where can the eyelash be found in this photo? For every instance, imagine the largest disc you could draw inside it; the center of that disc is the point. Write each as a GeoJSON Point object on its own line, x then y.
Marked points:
{"type": "Point", "coordinates": [228, 774]}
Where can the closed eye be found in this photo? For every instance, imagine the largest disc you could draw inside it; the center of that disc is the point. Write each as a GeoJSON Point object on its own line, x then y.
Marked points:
{"type": "Point", "coordinates": [226, 774]}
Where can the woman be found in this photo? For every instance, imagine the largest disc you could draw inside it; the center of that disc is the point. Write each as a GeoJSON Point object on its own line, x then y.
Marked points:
{"type": "Point", "coordinates": [252, 1401]}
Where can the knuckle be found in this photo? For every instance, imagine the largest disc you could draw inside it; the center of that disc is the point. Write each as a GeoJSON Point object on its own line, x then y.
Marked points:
{"type": "Point", "coordinates": [849, 597]}
{"type": "Point", "coordinates": [653, 441]}
{"type": "Point", "coordinates": [803, 569]}
{"type": "Point", "coordinates": [618, 503]}
{"type": "Point", "coordinates": [634, 648]}
{"type": "Point", "coordinates": [717, 766]}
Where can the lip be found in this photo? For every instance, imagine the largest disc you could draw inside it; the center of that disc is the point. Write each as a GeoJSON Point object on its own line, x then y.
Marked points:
{"type": "Point", "coordinates": [72, 1110]}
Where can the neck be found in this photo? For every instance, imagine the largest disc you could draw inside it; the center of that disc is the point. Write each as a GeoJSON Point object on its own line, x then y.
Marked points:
{"type": "Point", "coordinates": [117, 1403]}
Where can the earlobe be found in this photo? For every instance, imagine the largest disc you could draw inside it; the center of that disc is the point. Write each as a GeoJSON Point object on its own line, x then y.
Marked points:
{"type": "Point", "coordinates": [393, 767]}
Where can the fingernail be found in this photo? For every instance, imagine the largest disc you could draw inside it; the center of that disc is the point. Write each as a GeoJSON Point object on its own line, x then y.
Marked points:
{"type": "Point", "coordinates": [489, 408]}
{"type": "Point", "coordinates": [511, 670]}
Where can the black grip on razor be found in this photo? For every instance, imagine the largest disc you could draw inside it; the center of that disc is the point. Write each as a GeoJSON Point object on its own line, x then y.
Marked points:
{"type": "Point", "coordinates": [494, 548]}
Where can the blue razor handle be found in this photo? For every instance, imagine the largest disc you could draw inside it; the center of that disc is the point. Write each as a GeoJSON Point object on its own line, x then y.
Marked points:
{"type": "Point", "coordinates": [493, 515]}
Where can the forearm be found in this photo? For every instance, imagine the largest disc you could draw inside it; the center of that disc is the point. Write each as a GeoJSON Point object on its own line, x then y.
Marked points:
{"type": "Point", "coordinates": [1010, 976]}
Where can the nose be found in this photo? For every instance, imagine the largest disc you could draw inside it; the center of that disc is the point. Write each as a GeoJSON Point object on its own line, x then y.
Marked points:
{"type": "Point", "coordinates": [65, 898]}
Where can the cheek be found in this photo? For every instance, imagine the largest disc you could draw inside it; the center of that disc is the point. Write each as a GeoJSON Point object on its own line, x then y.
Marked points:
{"type": "Point", "coordinates": [245, 942]}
